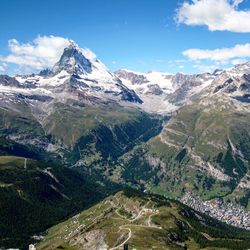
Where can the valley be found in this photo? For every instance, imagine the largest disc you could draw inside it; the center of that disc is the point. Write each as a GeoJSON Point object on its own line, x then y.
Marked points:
{"type": "Point", "coordinates": [77, 141]}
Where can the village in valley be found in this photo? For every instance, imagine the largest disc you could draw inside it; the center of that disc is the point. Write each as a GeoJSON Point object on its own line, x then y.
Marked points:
{"type": "Point", "coordinates": [227, 212]}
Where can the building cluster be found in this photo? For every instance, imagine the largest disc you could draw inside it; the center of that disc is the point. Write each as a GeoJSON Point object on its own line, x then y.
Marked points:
{"type": "Point", "coordinates": [229, 213]}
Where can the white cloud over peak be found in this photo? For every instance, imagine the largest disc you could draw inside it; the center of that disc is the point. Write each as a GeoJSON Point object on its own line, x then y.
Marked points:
{"type": "Point", "coordinates": [217, 15]}
{"type": "Point", "coordinates": [206, 68]}
{"type": "Point", "coordinates": [239, 61]}
{"type": "Point", "coordinates": [42, 52]}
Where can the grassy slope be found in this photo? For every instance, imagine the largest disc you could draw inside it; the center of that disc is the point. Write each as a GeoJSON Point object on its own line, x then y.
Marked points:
{"type": "Point", "coordinates": [154, 223]}
{"type": "Point", "coordinates": [32, 200]}
{"type": "Point", "coordinates": [102, 132]}
{"type": "Point", "coordinates": [19, 119]}
{"type": "Point", "coordinates": [209, 133]}
{"type": "Point", "coordinates": [114, 132]}
{"type": "Point", "coordinates": [69, 123]}
{"type": "Point", "coordinates": [101, 137]}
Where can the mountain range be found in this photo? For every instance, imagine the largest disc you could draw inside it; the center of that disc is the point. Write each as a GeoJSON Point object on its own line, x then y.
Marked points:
{"type": "Point", "coordinates": [161, 133]}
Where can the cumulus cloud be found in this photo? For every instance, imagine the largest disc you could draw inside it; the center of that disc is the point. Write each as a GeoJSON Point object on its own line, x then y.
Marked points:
{"type": "Point", "coordinates": [42, 52]}
{"type": "Point", "coordinates": [239, 61]}
{"type": "Point", "coordinates": [206, 68]}
{"type": "Point", "coordinates": [239, 51]}
{"type": "Point", "coordinates": [217, 15]}
{"type": "Point", "coordinates": [209, 60]}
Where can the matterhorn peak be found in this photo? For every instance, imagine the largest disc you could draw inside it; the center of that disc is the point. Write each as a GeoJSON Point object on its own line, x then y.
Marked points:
{"type": "Point", "coordinates": [73, 60]}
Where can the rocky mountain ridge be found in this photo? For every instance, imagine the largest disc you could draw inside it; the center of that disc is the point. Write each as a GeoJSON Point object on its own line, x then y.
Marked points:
{"type": "Point", "coordinates": [80, 76]}
{"type": "Point", "coordinates": [77, 75]}
{"type": "Point", "coordinates": [169, 91]}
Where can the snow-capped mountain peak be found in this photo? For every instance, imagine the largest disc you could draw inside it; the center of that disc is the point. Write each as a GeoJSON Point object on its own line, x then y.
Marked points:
{"type": "Point", "coordinates": [73, 61]}
{"type": "Point", "coordinates": [77, 75]}
{"type": "Point", "coordinates": [164, 91]}
{"type": "Point", "coordinates": [80, 75]}
{"type": "Point", "coordinates": [240, 69]}
{"type": "Point", "coordinates": [217, 72]}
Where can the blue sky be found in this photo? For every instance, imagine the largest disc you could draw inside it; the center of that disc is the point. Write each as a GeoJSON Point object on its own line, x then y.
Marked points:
{"type": "Point", "coordinates": [141, 35]}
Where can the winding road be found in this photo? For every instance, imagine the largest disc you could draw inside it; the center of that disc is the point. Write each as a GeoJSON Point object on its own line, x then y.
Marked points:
{"type": "Point", "coordinates": [126, 227]}
{"type": "Point", "coordinates": [125, 241]}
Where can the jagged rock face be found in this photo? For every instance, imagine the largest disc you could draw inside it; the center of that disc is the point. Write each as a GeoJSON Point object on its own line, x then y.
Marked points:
{"type": "Point", "coordinates": [131, 96]}
{"type": "Point", "coordinates": [245, 86]}
{"type": "Point", "coordinates": [176, 90]}
{"type": "Point", "coordinates": [234, 83]}
{"type": "Point", "coordinates": [240, 69]}
{"type": "Point", "coordinates": [217, 72]}
{"type": "Point", "coordinates": [45, 72]}
{"type": "Point", "coordinates": [179, 80]}
{"type": "Point", "coordinates": [75, 113]}
{"type": "Point", "coordinates": [154, 89]}
{"type": "Point", "coordinates": [73, 62]}
{"type": "Point", "coordinates": [228, 86]}
{"type": "Point", "coordinates": [50, 111]}
{"type": "Point", "coordinates": [189, 87]}
{"type": "Point", "coordinates": [133, 77]}
{"type": "Point", "coordinates": [9, 81]}
{"type": "Point", "coordinates": [166, 90]}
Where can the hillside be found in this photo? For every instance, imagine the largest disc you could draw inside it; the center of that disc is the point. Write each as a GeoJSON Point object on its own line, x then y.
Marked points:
{"type": "Point", "coordinates": [208, 140]}
{"type": "Point", "coordinates": [144, 222]}
{"type": "Point", "coordinates": [35, 195]}
{"type": "Point", "coordinates": [89, 139]}
{"type": "Point", "coordinates": [203, 148]}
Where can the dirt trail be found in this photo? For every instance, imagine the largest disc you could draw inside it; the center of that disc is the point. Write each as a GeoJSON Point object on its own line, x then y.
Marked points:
{"type": "Point", "coordinates": [127, 226]}
{"type": "Point", "coordinates": [125, 241]}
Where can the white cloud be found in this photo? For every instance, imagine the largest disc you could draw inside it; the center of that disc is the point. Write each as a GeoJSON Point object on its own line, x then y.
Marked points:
{"type": "Point", "coordinates": [89, 54]}
{"type": "Point", "coordinates": [218, 15]}
{"type": "Point", "coordinates": [206, 68]}
{"type": "Point", "coordinates": [209, 60]}
{"type": "Point", "coordinates": [238, 61]}
{"type": "Point", "coordinates": [42, 52]}
{"type": "Point", "coordinates": [239, 51]}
